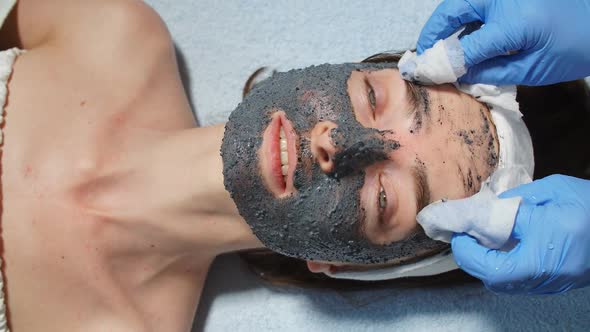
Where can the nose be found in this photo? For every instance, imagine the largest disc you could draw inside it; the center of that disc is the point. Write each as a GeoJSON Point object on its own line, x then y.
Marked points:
{"type": "Point", "coordinates": [321, 145]}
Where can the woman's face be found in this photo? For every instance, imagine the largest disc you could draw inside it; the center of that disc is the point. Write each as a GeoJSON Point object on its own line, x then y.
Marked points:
{"type": "Point", "coordinates": [345, 156]}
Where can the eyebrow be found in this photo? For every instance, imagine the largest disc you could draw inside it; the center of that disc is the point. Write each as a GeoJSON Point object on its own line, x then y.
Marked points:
{"type": "Point", "coordinates": [414, 95]}
{"type": "Point", "coordinates": [421, 183]}
{"type": "Point", "coordinates": [415, 102]}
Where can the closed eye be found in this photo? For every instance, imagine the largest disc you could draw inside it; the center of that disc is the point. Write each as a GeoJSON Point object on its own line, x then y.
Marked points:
{"type": "Point", "coordinates": [381, 203]}
{"type": "Point", "coordinates": [371, 98]}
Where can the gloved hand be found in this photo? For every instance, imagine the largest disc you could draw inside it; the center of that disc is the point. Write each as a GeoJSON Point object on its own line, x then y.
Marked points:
{"type": "Point", "coordinates": [551, 38]}
{"type": "Point", "coordinates": [553, 255]}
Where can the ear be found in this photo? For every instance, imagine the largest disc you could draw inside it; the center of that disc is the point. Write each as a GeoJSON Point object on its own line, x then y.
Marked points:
{"type": "Point", "coordinates": [317, 267]}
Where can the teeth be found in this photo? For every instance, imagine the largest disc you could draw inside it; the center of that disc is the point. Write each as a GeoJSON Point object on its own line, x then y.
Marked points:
{"type": "Point", "coordinates": [284, 158]}
{"type": "Point", "coordinates": [284, 153]}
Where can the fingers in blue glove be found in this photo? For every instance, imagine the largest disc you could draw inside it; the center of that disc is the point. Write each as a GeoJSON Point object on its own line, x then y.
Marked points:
{"type": "Point", "coordinates": [495, 268]}
{"type": "Point", "coordinates": [552, 225]}
{"type": "Point", "coordinates": [513, 69]}
{"type": "Point", "coordinates": [497, 43]}
{"type": "Point", "coordinates": [447, 18]}
{"type": "Point", "coordinates": [548, 52]}
{"type": "Point", "coordinates": [536, 192]}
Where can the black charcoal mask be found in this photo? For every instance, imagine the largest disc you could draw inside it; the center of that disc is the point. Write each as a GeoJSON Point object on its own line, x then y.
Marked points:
{"type": "Point", "coordinates": [321, 220]}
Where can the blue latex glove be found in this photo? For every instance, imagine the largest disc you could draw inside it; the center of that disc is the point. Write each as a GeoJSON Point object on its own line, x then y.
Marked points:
{"type": "Point", "coordinates": [551, 37]}
{"type": "Point", "coordinates": [553, 255]}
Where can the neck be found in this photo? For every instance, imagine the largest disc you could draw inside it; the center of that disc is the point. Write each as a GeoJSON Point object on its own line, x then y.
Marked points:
{"type": "Point", "coordinates": [182, 200]}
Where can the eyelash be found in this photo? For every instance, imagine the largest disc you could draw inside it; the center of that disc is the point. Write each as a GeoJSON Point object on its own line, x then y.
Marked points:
{"type": "Point", "coordinates": [381, 200]}
{"type": "Point", "coordinates": [371, 98]}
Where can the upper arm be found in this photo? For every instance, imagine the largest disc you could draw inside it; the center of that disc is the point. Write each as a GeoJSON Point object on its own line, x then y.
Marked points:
{"type": "Point", "coordinates": [72, 23]}
{"type": "Point", "coordinates": [124, 38]}
{"type": "Point", "coordinates": [31, 23]}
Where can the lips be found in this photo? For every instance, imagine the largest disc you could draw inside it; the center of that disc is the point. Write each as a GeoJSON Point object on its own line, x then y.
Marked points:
{"type": "Point", "coordinates": [279, 155]}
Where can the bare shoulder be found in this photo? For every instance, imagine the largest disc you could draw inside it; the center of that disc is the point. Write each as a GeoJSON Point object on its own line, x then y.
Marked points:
{"type": "Point", "coordinates": [35, 23]}
{"type": "Point", "coordinates": [119, 49]}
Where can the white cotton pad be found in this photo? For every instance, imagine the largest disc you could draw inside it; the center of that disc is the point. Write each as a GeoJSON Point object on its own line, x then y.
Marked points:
{"type": "Point", "coordinates": [484, 216]}
{"type": "Point", "coordinates": [443, 63]}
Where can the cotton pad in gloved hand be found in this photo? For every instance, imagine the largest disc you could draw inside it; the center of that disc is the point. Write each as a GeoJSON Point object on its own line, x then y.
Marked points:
{"type": "Point", "coordinates": [483, 216]}
{"type": "Point", "coordinates": [533, 42]}
{"type": "Point", "coordinates": [553, 254]}
{"type": "Point", "coordinates": [443, 63]}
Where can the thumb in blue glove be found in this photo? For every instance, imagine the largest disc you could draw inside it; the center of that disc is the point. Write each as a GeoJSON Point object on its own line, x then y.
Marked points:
{"type": "Point", "coordinates": [553, 230]}
{"type": "Point", "coordinates": [546, 39]}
